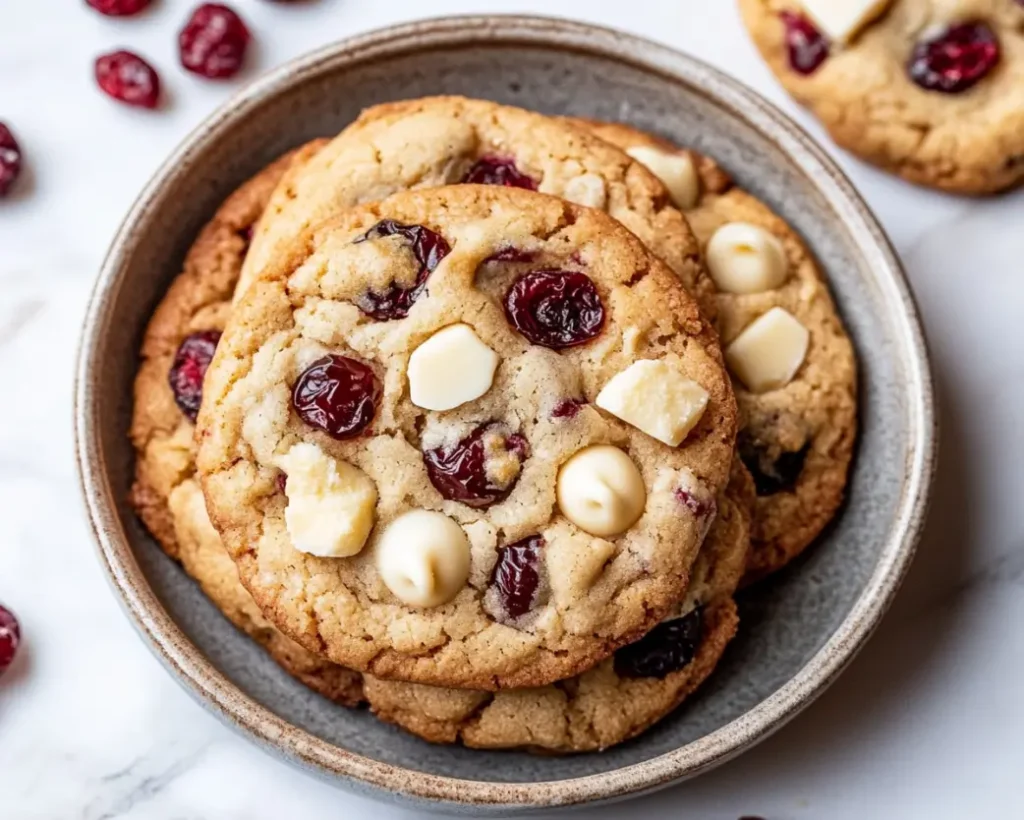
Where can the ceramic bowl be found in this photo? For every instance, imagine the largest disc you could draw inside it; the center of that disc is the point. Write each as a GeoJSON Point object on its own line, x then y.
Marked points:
{"type": "Point", "coordinates": [799, 630]}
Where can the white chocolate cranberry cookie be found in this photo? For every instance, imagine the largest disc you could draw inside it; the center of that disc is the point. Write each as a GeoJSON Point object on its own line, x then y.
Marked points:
{"type": "Point", "coordinates": [427, 143]}
{"type": "Point", "coordinates": [792, 363]}
{"type": "Point", "coordinates": [176, 349]}
{"type": "Point", "coordinates": [437, 542]}
{"type": "Point", "coordinates": [932, 90]}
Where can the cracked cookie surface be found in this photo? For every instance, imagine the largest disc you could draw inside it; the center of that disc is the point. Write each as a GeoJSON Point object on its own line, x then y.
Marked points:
{"type": "Point", "coordinates": [970, 141]}
{"type": "Point", "coordinates": [600, 592]}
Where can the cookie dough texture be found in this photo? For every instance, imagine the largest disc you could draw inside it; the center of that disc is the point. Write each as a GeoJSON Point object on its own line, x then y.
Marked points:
{"type": "Point", "coordinates": [971, 142]}
{"type": "Point", "coordinates": [165, 493]}
{"type": "Point", "coordinates": [816, 413]}
{"type": "Point", "coordinates": [602, 593]}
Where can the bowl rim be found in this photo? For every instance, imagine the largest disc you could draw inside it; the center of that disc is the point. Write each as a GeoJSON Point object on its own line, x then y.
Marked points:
{"type": "Point", "coordinates": [258, 723]}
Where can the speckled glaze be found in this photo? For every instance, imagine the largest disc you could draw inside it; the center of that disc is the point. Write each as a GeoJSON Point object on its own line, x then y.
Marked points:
{"type": "Point", "coordinates": [799, 630]}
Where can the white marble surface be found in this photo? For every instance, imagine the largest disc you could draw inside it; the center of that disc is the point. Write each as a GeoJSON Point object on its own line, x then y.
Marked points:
{"type": "Point", "coordinates": [928, 721]}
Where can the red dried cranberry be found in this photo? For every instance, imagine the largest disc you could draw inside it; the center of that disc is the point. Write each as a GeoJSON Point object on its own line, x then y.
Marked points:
{"type": "Point", "coordinates": [428, 247]}
{"type": "Point", "coordinates": [554, 308]}
{"type": "Point", "coordinates": [213, 42]}
{"type": "Point", "coordinates": [127, 77]}
{"type": "Point", "coordinates": [510, 253]}
{"type": "Point", "coordinates": [10, 159]}
{"type": "Point", "coordinates": [567, 408]}
{"type": "Point", "coordinates": [807, 46]}
{"type": "Point", "coordinates": [772, 474]}
{"type": "Point", "coordinates": [698, 506]}
{"type": "Point", "coordinates": [119, 8]}
{"type": "Point", "coordinates": [338, 395]}
{"type": "Point", "coordinates": [460, 472]}
{"type": "Point", "coordinates": [189, 368]}
{"type": "Point", "coordinates": [10, 637]}
{"type": "Point", "coordinates": [667, 648]}
{"type": "Point", "coordinates": [282, 482]}
{"type": "Point", "coordinates": [955, 59]}
{"type": "Point", "coordinates": [492, 170]}
{"type": "Point", "coordinates": [517, 575]}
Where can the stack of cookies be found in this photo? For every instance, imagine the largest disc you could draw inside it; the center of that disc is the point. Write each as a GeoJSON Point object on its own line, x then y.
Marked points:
{"type": "Point", "coordinates": [481, 418]}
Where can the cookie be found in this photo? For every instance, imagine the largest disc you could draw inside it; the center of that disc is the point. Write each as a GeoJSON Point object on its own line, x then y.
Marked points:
{"type": "Point", "coordinates": [165, 493]}
{"type": "Point", "coordinates": [468, 437]}
{"type": "Point", "coordinates": [799, 424]}
{"type": "Point", "coordinates": [620, 697]}
{"type": "Point", "coordinates": [437, 141]}
{"type": "Point", "coordinates": [932, 90]}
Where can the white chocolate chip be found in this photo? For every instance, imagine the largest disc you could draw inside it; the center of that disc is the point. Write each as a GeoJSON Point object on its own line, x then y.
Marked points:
{"type": "Point", "coordinates": [423, 558]}
{"type": "Point", "coordinates": [655, 397]}
{"type": "Point", "coordinates": [675, 169]}
{"type": "Point", "coordinates": [601, 490]}
{"type": "Point", "coordinates": [331, 504]}
{"type": "Point", "coordinates": [588, 190]}
{"type": "Point", "coordinates": [745, 258]}
{"type": "Point", "coordinates": [769, 351]}
{"type": "Point", "coordinates": [841, 20]}
{"type": "Point", "coordinates": [450, 368]}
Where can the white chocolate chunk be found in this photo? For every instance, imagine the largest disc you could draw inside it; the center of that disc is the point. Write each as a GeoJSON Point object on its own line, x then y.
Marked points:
{"type": "Point", "coordinates": [769, 351]}
{"type": "Point", "coordinates": [676, 170]}
{"type": "Point", "coordinates": [841, 20]}
{"type": "Point", "coordinates": [450, 368]}
{"type": "Point", "coordinates": [423, 558]}
{"type": "Point", "coordinates": [655, 397]}
{"type": "Point", "coordinates": [745, 258]}
{"type": "Point", "coordinates": [601, 490]}
{"type": "Point", "coordinates": [588, 190]}
{"type": "Point", "coordinates": [331, 504]}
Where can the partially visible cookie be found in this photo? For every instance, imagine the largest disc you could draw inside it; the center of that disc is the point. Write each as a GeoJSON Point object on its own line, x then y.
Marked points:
{"type": "Point", "coordinates": [402, 447]}
{"type": "Point", "coordinates": [165, 493]}
{"type": "Point", "coordinates": [932, 90]}
{"type": "Point", "coordinates": [620, 697]}
{"type": "Point", "coordinates": [797, 433]}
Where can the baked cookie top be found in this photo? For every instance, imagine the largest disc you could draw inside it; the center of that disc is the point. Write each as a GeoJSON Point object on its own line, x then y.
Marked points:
{"type": "Point", "coordinates": [932, 90]}
{"type": "Point", "coordinates": [793, 365]}
{"type": "Point", "coordinates": [622, 695]}
{"type": "Point", "coordinates": [436, 141]}
{"type": "Point", "coordinates": [468, 436]}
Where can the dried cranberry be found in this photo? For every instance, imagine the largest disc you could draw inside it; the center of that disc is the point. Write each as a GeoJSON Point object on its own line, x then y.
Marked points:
{"type": "Point", "coordinates": [10, 159]}
{"type": "Point", "coordinates": [492, 170]}
{"type": "Point", "coordinates": [460, 472]}
{"type": "Point", "coordinates": [772, 474]}
{"type": "Point", "coordinates": [667, 648]}
{"type": "Point", "coordinates": [119, 8]}
{"type": "Point", "coordinates": [955, 59]}
{"type": "Point", "coordinates": [807, 46]}
{"type": "Point", "coordinates": [517, 576]}
{"type": "Point", "coordinates": [567, 408]}
{"type": "Point", "coordinates": [189, 368]}
{"type": "Point", "coordinates": [554, 308]}
{"type": "Point", "coordinates": [510, 253]}
{"type": "Point", "coordinates": [338, 395]}
{"type": "Point", "coordinates": [127, 77]}
{"type": "Point", "coordinates": [698, 506]}
{"type": "Point", "coordinates": [10, 637]}
{"type": "Point", "coordinates": [213, 42]}
{"type": "Point", "coordinates": [428, 247]}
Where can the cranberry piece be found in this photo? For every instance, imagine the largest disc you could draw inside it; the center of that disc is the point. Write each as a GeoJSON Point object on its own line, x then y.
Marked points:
{"type": "Point", "coordinates": [517, 575]}
{"type": "Point", "coordinates": [10, 637]}
{"type": "Point", "coordinates": [10, 159]}
{"type": "Point", "coordinates": [772, 474]}
{"type": "Point", "coordinates": [119, 8]}
{"type": "Point", "coordinates": [955, 59]}
{"type": "Point", "coordinates": [127, 77]}
{"type": "Point", "coordinates": [667, 648]}
{"type": "Point", "coordinates": [189, 368]}
{"type": "Point", "coordinates": [213, 42]}
{"type": "Point", "coordinates": [807, 46]}
{"type": "Point", "coordinates": [567, 409]}
{"type": "Point", "coordinates": [510, 253]}
{"type": "Point", "coordinates": [698, 506]}
{"type": "Point", "coordinates": [460, 472]}
{"type": "Point", "coordinates": [554, 308]}
{"type": "Point", "coordinates": [428, 247]}
{"type": "Point", "coordinates": [338, 395]}
{"type": "Point", "coordinates": [493, 170]}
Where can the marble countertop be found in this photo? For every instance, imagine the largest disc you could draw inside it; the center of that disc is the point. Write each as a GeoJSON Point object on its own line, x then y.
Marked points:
{"type": "Point", "coordinates": [926, 723]}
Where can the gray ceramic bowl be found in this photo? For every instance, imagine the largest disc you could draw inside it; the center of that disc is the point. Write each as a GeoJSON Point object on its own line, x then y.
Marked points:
{"type": "Point", "coordinates": [799, 631]}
